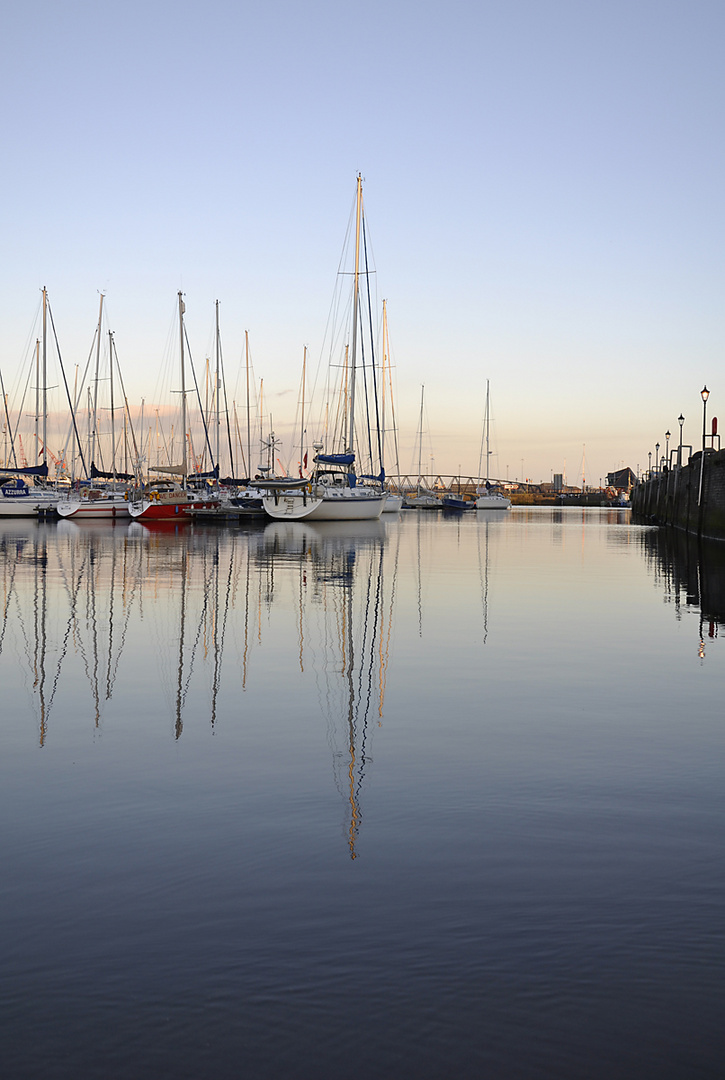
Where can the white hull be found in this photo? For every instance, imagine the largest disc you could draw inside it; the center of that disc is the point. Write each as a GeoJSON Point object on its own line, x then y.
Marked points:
{"type": "Point", "coordinates": [93, 509]}
{"type": "Point", "coordinates": [26, 505]}
{"type": "Point", "coordinates": [346, 504]}
{"type": "Point", "coordinates": [393, 503]}
{"type": "Point", "coordinates": [493, 502]}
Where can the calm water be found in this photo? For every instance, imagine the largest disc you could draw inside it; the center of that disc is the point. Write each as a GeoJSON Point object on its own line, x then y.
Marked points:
{"type": "Point", "coordinates": [434, 797]}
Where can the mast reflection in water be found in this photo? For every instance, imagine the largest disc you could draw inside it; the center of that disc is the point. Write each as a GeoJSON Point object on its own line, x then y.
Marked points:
{"type": "Point", "coordinates": [423, 796]}
{"type": "Point", "coordinates": [340, 568]}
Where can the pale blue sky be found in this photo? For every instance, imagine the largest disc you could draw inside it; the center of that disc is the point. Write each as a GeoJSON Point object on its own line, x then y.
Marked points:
{"type": "Point", "coordinates": [543, 182]}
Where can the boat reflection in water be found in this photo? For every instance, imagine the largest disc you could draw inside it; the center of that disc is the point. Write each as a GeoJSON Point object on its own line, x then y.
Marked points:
{"type": "Point", "coordinates": [139, 620]}
{"type": "Point", "coordinates": [346, 592]}
{"type": "Point", "coordinates": [692, 575]}
{"type": "Point", "coordinates": [68, 596]}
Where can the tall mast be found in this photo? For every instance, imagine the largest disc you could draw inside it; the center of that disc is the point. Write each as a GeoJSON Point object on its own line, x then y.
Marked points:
{"type": "Point", "coordinates": [182, 309]}
{"type": "Point", "coordinates": [216, 389]}
{"type": "Point", "coordinates": [113, 424]}
{"type": "Point", "coordinates": [94, 425]}
{"type": "Point", "coordinates": [356, 291]}
{"type": "Point", "coordinates": [37, 389]}
{"type": "Point", "coordinates": [488, 428]}
{"type": "Point", "coordinates": [261, 419]}
{"type": "Point", "coordinates": [45, 370]}
{"type": "Point", "coordinates": [420, 431]}
{"type": "Point", "coordinates": [385, 348]}
{"type": "Point", "coordinates": [302, 411]}
{"type": "Point", "coordinates": [249, 418]}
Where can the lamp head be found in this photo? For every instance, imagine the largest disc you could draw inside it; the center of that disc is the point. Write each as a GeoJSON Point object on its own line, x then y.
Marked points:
{"type": "Point", "coordinates": [704, 393]}
{"type": "Point", "coordinates": [667, 435]}
{"type": "Point", "coordinates": [680, 419]}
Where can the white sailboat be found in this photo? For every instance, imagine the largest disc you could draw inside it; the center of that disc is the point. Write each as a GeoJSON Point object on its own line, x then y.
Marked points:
{"type": "Point", "coordinates": [334, 492]}
{"type": "Point", "coordinates": [100, 501]}
{"type": "Point", "coordinates": [424, 498]}
{"type": "Point", "coordinates": [17, 497]}
{"type": "Point", "coordinates": [489, 498]}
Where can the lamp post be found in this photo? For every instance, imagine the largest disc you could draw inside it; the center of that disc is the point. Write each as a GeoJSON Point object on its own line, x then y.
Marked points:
{"type": "Point", "coordinates": [657, 458]}
{"type": "Point", "coordinates": [649, 467]}
{"type": "Point", "coordinates": [667, 449]}
{"type": "Point", "coordinates": [704, 394]}
{"type": "Point", "coordinates": [680, 421]}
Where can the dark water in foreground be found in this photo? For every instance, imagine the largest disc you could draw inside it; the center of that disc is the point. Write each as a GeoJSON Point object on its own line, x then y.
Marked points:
{"type": "Point", "coordinates": [428, 798]}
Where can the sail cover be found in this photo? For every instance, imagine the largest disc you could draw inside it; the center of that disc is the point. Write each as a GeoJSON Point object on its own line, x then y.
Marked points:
{"type": "Point", "coordinates": [97, 474]}
{"type": "Point", "coordinates": [31, 470]}
{"type": "Point", "coordinates": [335, 459]}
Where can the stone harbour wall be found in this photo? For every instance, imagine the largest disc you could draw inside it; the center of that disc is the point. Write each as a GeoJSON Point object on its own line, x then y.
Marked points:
{"type": "Point", "coordinates": [691, 498]}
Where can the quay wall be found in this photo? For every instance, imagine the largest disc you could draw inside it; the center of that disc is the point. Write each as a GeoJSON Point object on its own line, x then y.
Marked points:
{"type": "Point", "coordinates": [691, 498]}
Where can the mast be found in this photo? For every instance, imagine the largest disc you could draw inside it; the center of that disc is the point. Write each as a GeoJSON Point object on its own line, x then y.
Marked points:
{"type": "Point", "coordinates": [113, 425]}
{"type": "Point", "coordinates": [488, 428]}
{"type": "Point", "coordinates": [45, 371]}
{"type": "Point", "coordinates": [182, 309]}
{"type": "Point", "coordinates": [216, 391]}
{"type": "Point", "coordinates": [385, 346]}
{"type": "Point", "coordinates": [356, 291]}
{"type": "Point", "coordinates": [302, 412]}
{"type": "Point", "coordinates": [249, 418]}
{"type": "Point", "coordinates": [420, 432]}
{"type": "Point", "coordinates": [94, 425]}
{"type": "Point", "coordinates": [37, 387]}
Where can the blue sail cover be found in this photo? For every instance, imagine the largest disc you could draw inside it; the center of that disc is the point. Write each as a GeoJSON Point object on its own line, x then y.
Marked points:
{"type": "Point", "coordinates": [98, 474]}
{"type": "Point", "coordinates": [380, 477]}
{"type": "Point", "coordinates": [335, 459]}
{"type": "Point", "coordinates": [31, 470]}
{"type": "Point", "coordinates": [213, 474]}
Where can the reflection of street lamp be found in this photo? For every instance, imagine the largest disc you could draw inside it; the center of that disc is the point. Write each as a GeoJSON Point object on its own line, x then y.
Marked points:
{"type": "Point", "coordinates": [667, 450]}
{"type": "Point", "coordinates": [680, 421]}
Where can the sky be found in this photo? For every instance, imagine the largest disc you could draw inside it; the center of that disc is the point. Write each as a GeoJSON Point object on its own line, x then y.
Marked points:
{"type": "Point", "coordinates": [543, 186]}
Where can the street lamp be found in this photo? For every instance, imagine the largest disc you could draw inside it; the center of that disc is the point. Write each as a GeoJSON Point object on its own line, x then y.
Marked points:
{"type": "Point", "coordinates": [667, 450]}
{"type": "Point", "coordinates": [680, 421]}
{"type": "Point", "coordinates": [657, 458]}
{"type": "Point", "coordinates": [704, 394]}
{"type": "Point", "coordinates": [649, 467]}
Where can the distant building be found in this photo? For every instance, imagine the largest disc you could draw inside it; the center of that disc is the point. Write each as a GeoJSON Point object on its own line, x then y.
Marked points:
{"type": "Point", "coordinates": [558, 481]}
{"type": "Point", "coordinates": [623, 479]}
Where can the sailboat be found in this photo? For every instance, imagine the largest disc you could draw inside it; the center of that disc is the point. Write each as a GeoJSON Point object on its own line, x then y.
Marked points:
{"type": "Point", "coordinates": [100, 501]}
{"type": "Point", "coordinates": [166, 500]}
{"type": "Point", "coordinates": [17, 497]}
{"type": "Point", "coordinates": [489, 498]}
{"type": "Point", "coordinates": [424, 498]}
{"type": "Point", "coordinates": [334, 492]}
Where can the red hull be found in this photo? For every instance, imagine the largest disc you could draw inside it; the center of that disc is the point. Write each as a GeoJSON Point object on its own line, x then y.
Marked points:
{"type": "Point", "coordinates": [151, 510]}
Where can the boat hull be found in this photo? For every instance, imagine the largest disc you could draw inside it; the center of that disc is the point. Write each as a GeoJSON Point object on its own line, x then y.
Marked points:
{"type": "Point", "coordinates": [100, 508]}
{"type": "Point", "coordinates": [452, 502]}
{"type": "Point", "coordinates": [493, 502]}
{"type": "Point", "coordinates": [422, 502]}
{"type": "Point", "coordinates": [393, 504]}
{"type": "Point", "coordinates": [26, 505]}
{"type": "Point", "coordinates": [345, 505]}
{"type": "Point", "coordinates": [179, 510]}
